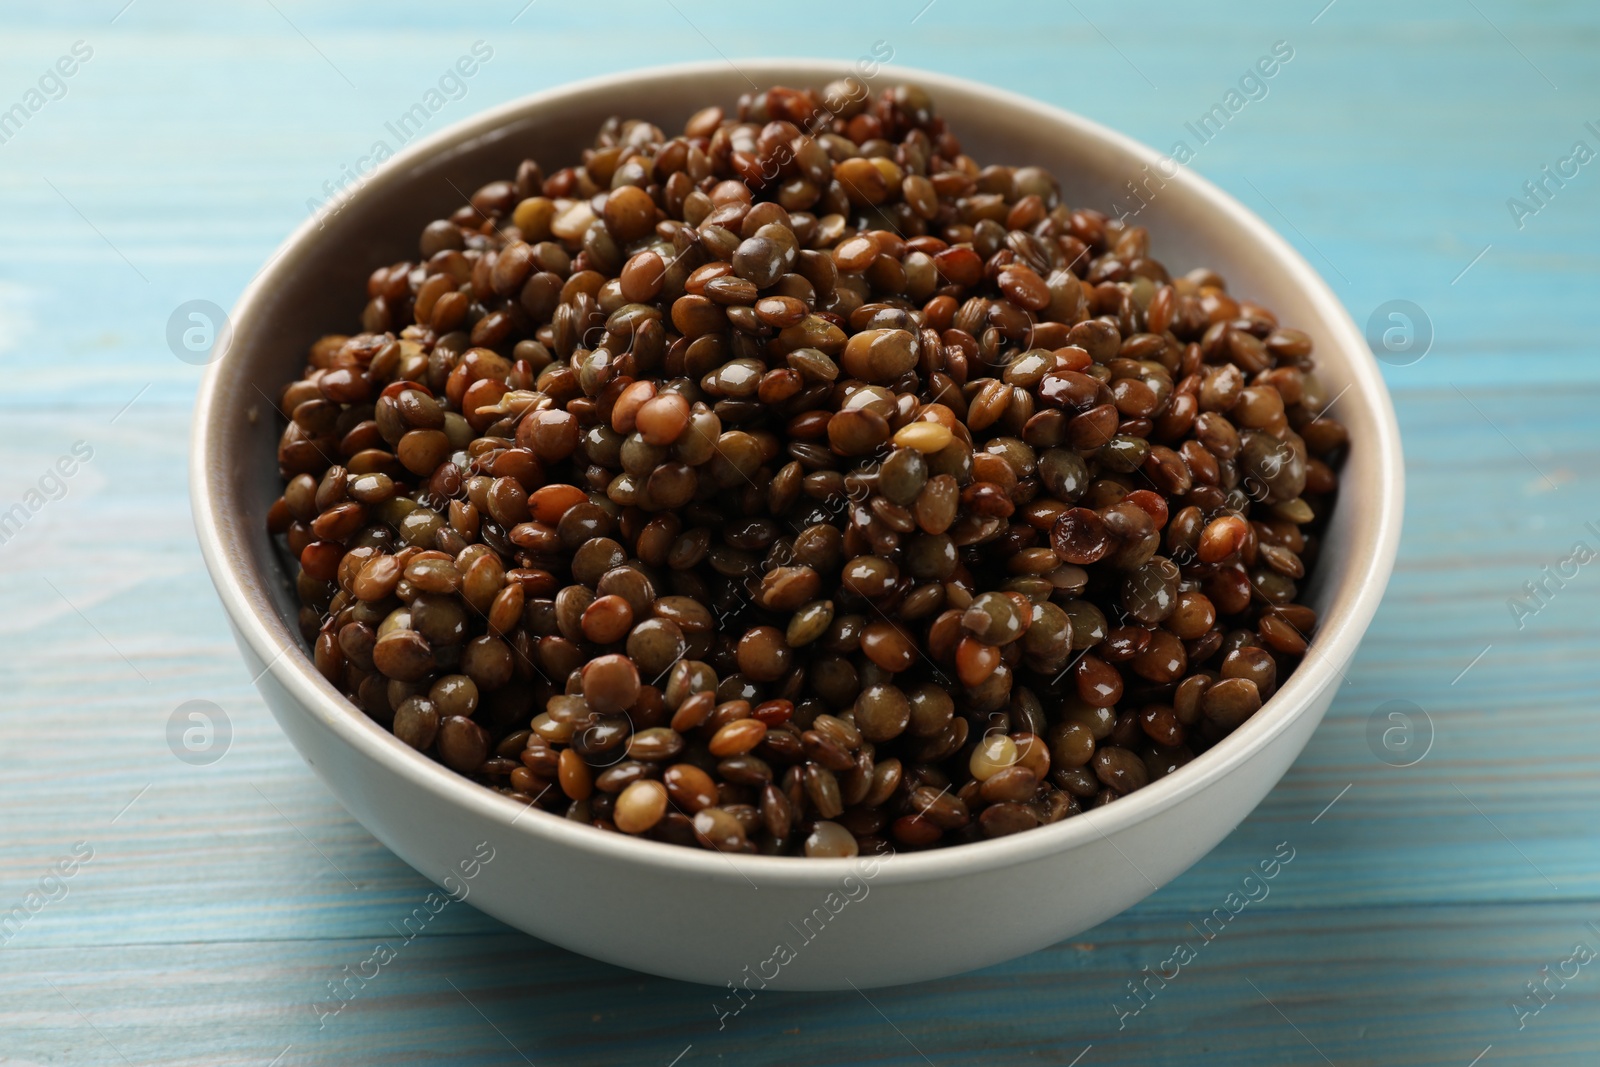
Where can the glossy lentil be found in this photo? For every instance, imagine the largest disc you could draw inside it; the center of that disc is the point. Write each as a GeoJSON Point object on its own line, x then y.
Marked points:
{"type": "Point", "coordinates": [795, 484]}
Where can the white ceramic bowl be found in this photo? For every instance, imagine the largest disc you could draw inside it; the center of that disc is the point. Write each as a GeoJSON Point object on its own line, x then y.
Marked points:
{"type": "Point", "coordinates": [767, 921]}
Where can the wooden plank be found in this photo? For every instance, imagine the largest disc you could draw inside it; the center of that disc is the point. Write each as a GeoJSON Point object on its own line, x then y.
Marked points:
{"type": "Point", "coordinates": [1401, 986]}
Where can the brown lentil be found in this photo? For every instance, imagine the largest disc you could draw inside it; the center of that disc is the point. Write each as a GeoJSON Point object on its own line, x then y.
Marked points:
{"type": "Point", "coordinates": [887, 499]}
{"type": "Point", "coordinates": [640, 806]}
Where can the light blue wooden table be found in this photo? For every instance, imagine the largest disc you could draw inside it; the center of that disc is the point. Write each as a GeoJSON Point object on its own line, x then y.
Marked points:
{"type": "Point", "coordinates": [208, 905]}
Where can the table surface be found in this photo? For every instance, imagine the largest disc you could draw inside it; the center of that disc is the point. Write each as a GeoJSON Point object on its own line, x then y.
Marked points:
{"type": "Point", "coordinates": [210, 905]}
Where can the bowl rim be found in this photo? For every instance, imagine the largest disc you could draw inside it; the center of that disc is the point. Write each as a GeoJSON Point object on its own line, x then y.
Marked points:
{"type": "Point", "coordinates": [269, 638]}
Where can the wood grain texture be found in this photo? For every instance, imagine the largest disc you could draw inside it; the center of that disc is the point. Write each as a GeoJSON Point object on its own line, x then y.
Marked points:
{"type": "Point", "coordinates": [220, 902]}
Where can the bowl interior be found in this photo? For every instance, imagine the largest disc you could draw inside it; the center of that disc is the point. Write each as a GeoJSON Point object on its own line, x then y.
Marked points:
{"type": "Point", "coordinates": [316, 285]}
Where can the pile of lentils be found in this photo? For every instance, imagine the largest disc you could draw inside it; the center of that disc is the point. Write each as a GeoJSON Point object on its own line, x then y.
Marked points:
{"type": "Point", "coordinates": [796, 485]}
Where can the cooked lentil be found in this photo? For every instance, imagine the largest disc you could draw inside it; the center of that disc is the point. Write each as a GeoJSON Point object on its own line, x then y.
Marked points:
{"type": "Point", "coordinates": [799, 485]}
